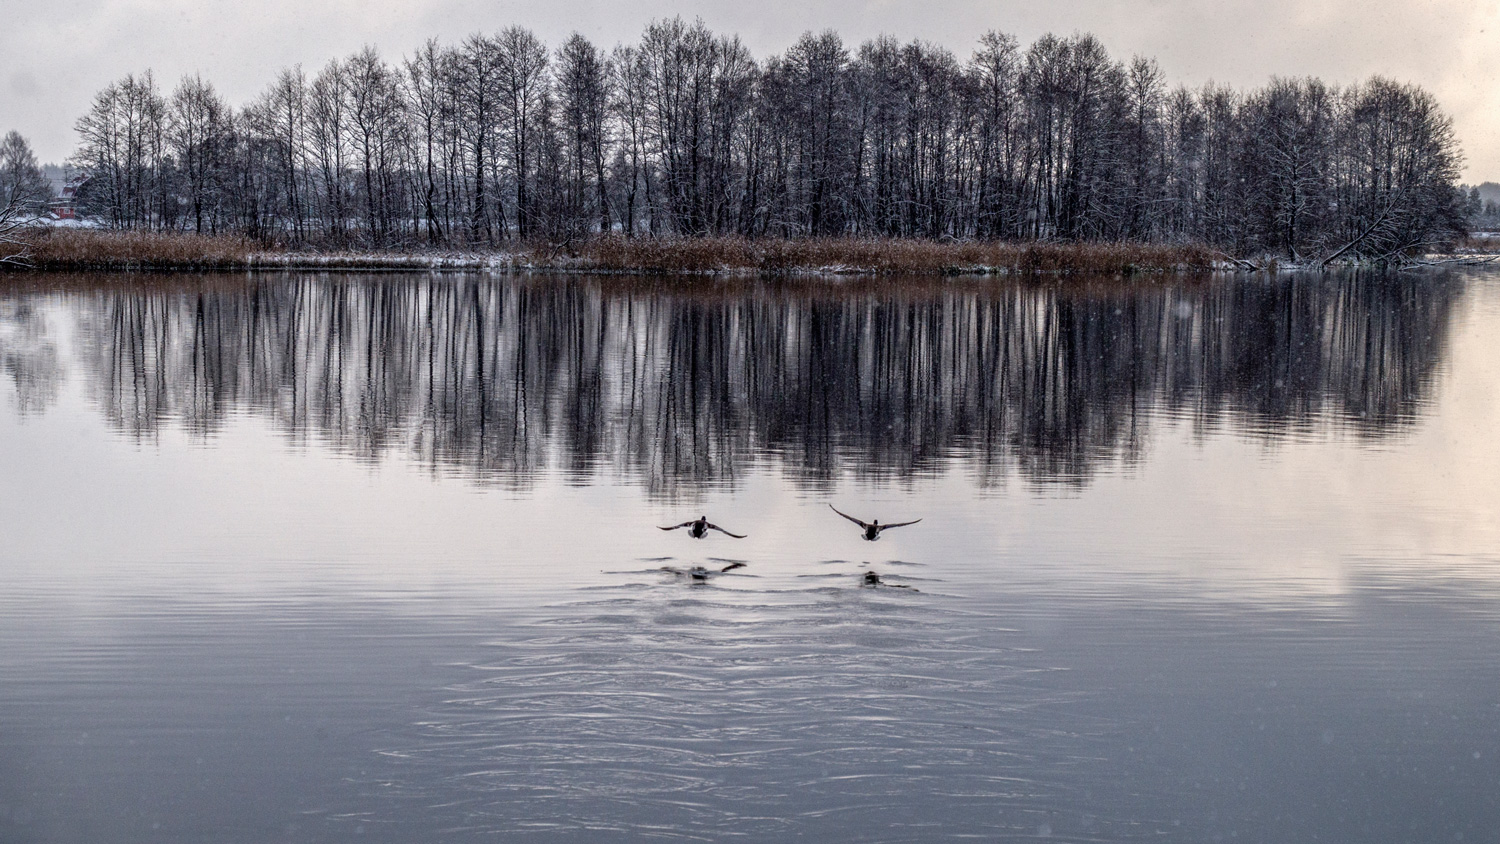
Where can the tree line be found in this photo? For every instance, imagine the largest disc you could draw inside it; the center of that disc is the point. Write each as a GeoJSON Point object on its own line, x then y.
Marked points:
{"type": "Point", "coordinates": [500, 139]}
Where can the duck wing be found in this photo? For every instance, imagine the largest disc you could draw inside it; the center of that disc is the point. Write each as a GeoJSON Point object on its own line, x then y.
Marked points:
{"type": "Point", "coordinates": [675, 527]}
{"type": "Point", "coordinates": [847, 516]}
{"type": "Point", "coordinates": [727, 533]}
{"type": "Point", "coordinates": [900, 524]}
{"type": "Point", "coordinates": [732, 567]}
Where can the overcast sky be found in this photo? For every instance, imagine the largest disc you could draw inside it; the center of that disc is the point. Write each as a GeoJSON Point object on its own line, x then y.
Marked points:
{"type": "Point", "coordinates": [55, 56]}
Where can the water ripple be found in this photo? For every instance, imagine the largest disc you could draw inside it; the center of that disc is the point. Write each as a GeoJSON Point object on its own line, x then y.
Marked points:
{"type": "Point", "coordinates": [679, 712]}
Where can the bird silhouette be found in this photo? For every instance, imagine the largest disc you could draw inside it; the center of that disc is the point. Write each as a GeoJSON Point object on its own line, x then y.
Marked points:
{"type": "Point", "coordinates": [872, 529]}
{"type": "Point", "coordinates": [700, 526]}
{"type": "Point", "coordinates": [699, 574]}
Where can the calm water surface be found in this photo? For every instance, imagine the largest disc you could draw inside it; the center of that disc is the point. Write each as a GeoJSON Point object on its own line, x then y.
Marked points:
{"type": "Point", "coordinates": [375, 558]}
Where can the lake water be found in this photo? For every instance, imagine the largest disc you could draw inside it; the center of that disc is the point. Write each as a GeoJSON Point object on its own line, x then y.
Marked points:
{"type": "Point", "coordinates": [334, 558]}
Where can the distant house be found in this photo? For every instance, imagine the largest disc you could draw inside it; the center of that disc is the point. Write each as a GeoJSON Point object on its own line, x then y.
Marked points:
{"type": "Point", "coordinates": [64, 202]}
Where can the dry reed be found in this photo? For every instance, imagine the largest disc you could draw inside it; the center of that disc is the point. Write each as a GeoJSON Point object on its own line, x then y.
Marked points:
{"type": "Point", "coordinates": [89, 249]}
{"type": "Point", "coordinates": [879, 256]}
{"type": "Point", "coordinates": [94, 249]}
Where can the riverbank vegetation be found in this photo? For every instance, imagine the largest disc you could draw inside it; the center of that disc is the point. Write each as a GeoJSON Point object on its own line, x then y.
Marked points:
{"type": "Point", "coordinates": [497, 144]}
{"type": "Point", "coordinates": [15, 237]}
{"type": "Point", "coordinates": [23, 194]}
{"type": "Point", "coordinates": [95, 249]}
{"type": "Point", "coordinates": [99, 249]}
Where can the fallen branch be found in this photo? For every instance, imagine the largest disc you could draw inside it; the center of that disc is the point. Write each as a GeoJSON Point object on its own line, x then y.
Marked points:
{"type": "Point", "coordinates": [1241, 262]}
{"type": "Point", "coordinates": [1366, 233]}
{"type": "Point", "coordinates": [1408, 246]}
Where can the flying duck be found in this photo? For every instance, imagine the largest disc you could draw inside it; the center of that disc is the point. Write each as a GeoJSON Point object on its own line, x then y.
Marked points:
{"type": "Point", "coordinates": [872, 529]}
{"type": "Point", "coordinates": [700, 526]}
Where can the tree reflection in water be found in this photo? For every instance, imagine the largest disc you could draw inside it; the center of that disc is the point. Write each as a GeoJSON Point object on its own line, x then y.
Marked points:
{"type": "Point", "coordinates": [28, 356]}
{"type": "Point", "coordinates": [685, 384]}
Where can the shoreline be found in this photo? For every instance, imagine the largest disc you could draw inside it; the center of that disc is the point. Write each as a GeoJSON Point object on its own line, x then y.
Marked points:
{"type": "Point", "coordinates": [97, 250]}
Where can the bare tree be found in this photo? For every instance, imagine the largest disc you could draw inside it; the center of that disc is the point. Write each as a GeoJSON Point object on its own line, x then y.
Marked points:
{"type": "Point", "coordinates": [1144, 150]}
{"type": "Point", "coordinates": [122, 147]}
{"type": "Point", "coordinates": [478, 73]}
{"type": "Point", "coordinates": [995, 70]}
{"type": "Point", "coordinates": [199, 134]}
{"type": "Point", "coordinates": [425, 80]}
{"type": "Point", "coordinates": [818, 67]}
{"type": "Point", "coordinates": [23, 194]}
{"type": "Point", "coordinates": [522, 69]}
{"type": "Point", "coordinates": [328, 127]}
{"type": "Point", "coordinates": [375, 121]}
{"type": "Point", "coordinates": [686, 133]}
{"type": "Point", "coordinates": [1288, 146]}
{"type": "Point", "coordinates": [279, 120]}
{"type": "Point", "coordinates": [15, 249]}
{"type": "Point", "coordinates": [583, 99]}
{"type": "Point", "coordinates": [21, 180]}
{"type": "Point", "coordinates": [628, 111]}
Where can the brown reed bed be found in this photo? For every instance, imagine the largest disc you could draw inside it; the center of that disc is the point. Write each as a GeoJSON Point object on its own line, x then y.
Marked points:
{"type": "Point", "coordinates": [95, 250]}
{"type": "Point", "coordinates": [881, 256]}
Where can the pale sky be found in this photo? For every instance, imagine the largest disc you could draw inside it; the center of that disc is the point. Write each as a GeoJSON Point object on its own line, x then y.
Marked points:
{"type": "Point", "coordinates": [55, 56]}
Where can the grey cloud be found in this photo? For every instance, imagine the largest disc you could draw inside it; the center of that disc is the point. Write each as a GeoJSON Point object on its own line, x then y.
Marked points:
{"type": "Point", "coordinates": [24, 85]}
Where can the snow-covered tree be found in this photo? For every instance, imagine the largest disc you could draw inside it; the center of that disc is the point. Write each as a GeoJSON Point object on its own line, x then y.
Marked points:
{"type": "Point", "coordinates": [24, 192]}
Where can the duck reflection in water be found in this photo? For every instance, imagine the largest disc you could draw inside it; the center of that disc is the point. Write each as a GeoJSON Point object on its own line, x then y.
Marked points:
{"type": "Point", "coordinates": [872, 579]}
{"type": "Point", "coordinates": [699, 574]}
{"type": "Point", "coordinates": [700, 526]}
{"type": "Point", "coordinates": [872, 529]}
